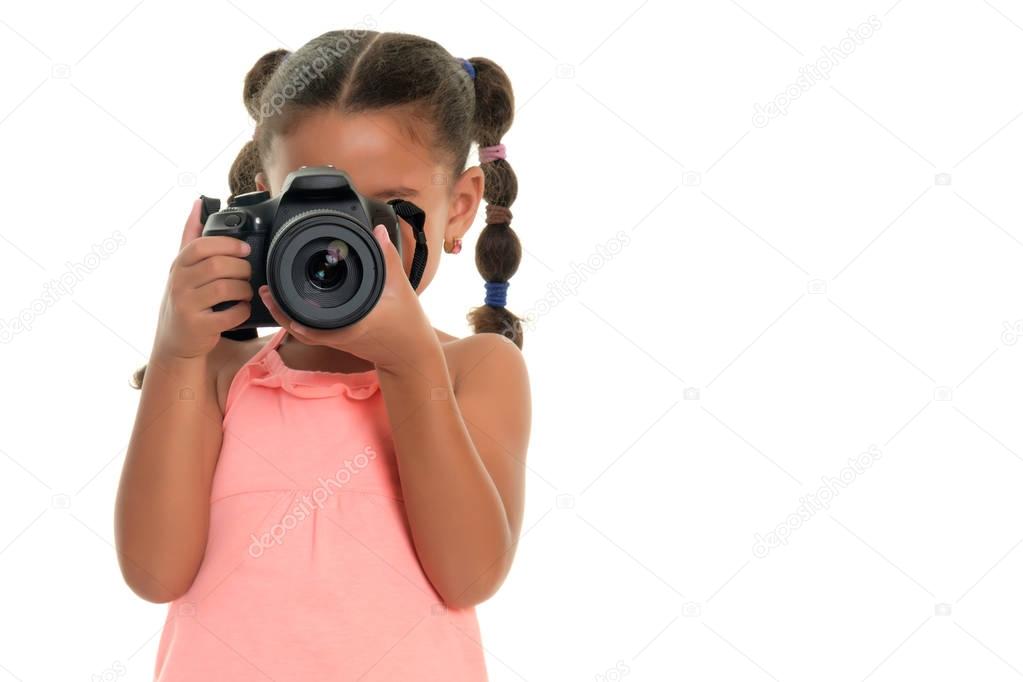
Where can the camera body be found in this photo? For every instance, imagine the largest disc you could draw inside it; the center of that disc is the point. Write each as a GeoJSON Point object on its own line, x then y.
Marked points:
{"type": "Point", "coordinates": [313, 245]}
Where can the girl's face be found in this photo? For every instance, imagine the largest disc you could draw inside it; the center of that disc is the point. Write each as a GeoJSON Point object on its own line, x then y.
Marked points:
{"type": "Point", "coordinates": [384, 161]}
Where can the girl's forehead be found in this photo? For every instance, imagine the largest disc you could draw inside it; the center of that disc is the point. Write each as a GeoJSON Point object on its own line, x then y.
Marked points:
{"type": "Point", "coordinates": [376, 149]}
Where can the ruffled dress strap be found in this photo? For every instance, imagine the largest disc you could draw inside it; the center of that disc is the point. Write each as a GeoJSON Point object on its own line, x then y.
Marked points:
{"type": "Point", "coordinates": [266, 368]}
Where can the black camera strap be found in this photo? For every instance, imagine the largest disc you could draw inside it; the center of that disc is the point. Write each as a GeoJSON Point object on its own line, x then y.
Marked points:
{"type": "Point", "coordinates": [415, 217]}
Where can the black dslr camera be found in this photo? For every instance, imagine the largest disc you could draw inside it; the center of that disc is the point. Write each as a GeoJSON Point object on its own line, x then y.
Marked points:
{"type": "Point", "coordinates": [313, 245]}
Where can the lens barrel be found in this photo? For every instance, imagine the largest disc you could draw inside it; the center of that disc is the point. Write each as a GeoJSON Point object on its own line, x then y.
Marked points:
{"type": "Point", "coordinates": [325, 269]}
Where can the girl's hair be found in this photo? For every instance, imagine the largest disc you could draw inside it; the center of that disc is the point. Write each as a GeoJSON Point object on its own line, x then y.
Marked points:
{"type": "Point", "coordinates": [354, 71]}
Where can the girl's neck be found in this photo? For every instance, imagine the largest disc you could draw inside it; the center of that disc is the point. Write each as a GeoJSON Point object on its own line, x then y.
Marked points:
{"type": "Point", "coordinates": [301, 356]}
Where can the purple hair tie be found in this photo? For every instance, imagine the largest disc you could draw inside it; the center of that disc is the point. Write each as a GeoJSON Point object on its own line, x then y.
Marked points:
{"type": "Point", "coordinates": [469, 68]}
{"type": "Point", "coordinates": [491, 153]}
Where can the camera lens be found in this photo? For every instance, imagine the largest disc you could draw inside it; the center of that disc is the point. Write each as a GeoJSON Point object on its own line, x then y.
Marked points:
{"type": "Point", "coordinates": [326, 269]}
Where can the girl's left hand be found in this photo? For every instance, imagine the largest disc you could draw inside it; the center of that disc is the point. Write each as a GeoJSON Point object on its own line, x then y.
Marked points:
{"type": "Point", "coordinates": [393, 334]}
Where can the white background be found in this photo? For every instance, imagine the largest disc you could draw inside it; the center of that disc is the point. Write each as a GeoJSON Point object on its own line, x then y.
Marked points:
{"type": "Point", "coordinates": [845, 277]}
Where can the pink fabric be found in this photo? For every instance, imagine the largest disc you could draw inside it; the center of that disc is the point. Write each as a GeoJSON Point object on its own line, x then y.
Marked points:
{"type": "Point", "coordinates": [310, 572]}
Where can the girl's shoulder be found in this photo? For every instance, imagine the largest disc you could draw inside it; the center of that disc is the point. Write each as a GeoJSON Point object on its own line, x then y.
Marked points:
{"type": "Point", "coordinates": [466, 353]}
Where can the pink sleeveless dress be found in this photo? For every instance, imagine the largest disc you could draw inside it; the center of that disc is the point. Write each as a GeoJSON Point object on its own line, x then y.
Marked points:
{"type": "Point", "coordinates": [310, 572]}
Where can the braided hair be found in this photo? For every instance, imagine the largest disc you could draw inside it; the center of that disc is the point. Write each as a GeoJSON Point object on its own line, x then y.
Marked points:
{"type": "Point", "coordinates": [498, 250]}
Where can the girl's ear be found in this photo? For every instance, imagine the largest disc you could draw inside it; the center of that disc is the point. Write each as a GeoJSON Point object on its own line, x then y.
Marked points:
{"type": "Point", "coordinates": [465, 201]}
{"type": "Point", "coordinates": [261, 185]}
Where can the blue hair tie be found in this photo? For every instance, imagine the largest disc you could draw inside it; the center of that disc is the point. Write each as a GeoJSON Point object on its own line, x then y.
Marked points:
{"type": "Point", "coordinates": [496, 294]}
{"type": "Point", "coordinates": [469, 68]}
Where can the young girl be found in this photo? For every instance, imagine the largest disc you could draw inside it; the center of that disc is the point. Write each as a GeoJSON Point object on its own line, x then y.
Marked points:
{"type": "Point", "coordinates": [332, 504]}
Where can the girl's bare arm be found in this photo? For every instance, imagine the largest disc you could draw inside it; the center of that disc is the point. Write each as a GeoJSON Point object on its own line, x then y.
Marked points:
{"type": "Point", "coordinates": [461, 456]}
{"type": "Point", "coordinates": [162, 509]}
{"type": "Point", "coordinates": [161, 516]}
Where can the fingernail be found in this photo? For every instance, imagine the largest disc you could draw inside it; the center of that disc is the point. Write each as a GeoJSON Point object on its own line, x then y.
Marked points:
{"type": "Point", "coordinates": [246, 249]}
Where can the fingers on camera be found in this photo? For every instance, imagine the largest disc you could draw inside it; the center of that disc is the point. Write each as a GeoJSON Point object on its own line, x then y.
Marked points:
{"type": "Point", "coordinates": [220, 267]}
{"type": "Point", "coordinates": [193, 226]}
{"type": "Point", "coordinates": [231, 317]}
{"type": "Point", "coordinates": [223, 290]}
{"type": "Point", "coordinates": [204, 248]}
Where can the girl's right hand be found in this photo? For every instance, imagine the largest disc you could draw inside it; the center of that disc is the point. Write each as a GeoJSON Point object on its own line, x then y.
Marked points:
{"type": "Point", "coordinates": [207, 271]}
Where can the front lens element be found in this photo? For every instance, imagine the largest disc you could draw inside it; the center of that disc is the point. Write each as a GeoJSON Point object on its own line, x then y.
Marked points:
{"type": "Point", "coordinates": [327, 269]}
